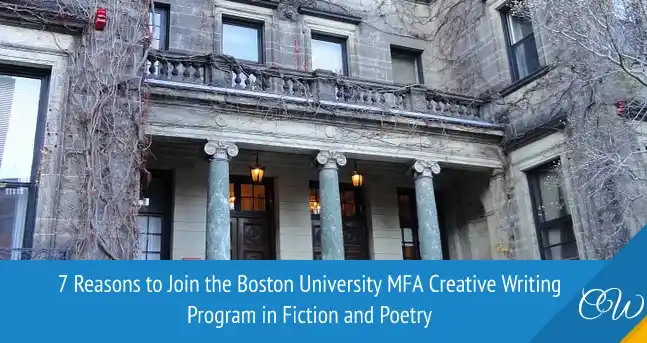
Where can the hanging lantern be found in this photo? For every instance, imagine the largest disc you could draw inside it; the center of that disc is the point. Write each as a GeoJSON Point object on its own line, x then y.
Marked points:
{"type": "Point", "coordinates": [257, 172]}
{"type": "Point", "coordinates": [357, 178]}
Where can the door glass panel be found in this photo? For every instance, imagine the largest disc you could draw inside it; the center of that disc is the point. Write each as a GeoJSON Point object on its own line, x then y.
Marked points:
{"type": "Point", "coordinates": [246, 191]}
{"type": "Point", "coordinates": [13, 209]}
{"type": "Point", "coordinates": [155, 225]}
{"type": "Point", "coordinates": [253, 198]}
{"type": "Point", "coordinates": [259, 204]}
{"type": "Point", "coordinates": [247, 204]}
{"type": "Point", "coordinates": [150, 237]}
{"type": "Point", "coordinates": [348, 203]}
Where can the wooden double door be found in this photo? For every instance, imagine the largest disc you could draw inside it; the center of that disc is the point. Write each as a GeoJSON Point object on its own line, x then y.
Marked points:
{"type": "Point", "coordinates": [252, 233]}
{"type": "Point", "coordinates": [353, 222]}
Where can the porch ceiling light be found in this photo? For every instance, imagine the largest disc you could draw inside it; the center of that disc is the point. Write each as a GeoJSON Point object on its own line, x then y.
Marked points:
{"type": "Point", "coordinates": [257, 172]}
{"type": "Point", "coordinates": [357, 178]}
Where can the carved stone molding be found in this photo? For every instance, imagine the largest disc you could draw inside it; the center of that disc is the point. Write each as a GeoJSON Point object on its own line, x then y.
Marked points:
{"type": "Point", "coordinates": [424, 168]}
{"type": "Point", "coordinates": [497, 173]}
{"type": "Point", "coordinates": [221, 150]}
{"type": "Point", "coordinates": [331, 159]}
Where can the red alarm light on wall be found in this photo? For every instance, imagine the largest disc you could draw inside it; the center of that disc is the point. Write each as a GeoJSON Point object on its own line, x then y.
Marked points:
{"type": "Point", "coordinates": [620, 107]}
{"type": "Point", "coordinates": [100, 20]}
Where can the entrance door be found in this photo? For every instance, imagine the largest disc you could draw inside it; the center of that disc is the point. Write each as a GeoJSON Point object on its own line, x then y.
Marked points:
{"type": "Point", "coordinates": [408, 214]}
{"type": "Point", "coordinates": [353, 222]}
{"type": "Point", "coordinates": [252, 234]}
{"type": "Point", "coordinates": [154, 219]}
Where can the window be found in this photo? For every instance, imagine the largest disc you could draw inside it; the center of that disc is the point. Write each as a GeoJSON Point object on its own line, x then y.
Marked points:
{"type": "Point", "coordinates": [242, 40]}
{"type": "Point", "coordinates": [552, 217]}
{"type": "Point", "coordinates": [407, 67]}
{"type": "Point", "coordinates": [158, 22]}
{"type": "Point", "coordinates": [408, 224]}
{"type": "Point", "coordinates": [522, 49]}
{"type": "Point", "coordinates": [246, 196]}
{"type": "Point", "coordinates": [329, 53]}
{"type": "Point", "coordinates": [22, 104]}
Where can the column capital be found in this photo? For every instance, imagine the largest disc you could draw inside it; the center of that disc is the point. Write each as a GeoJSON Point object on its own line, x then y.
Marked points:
{"type": "Point", "coordinates": [330, 159]}
{"type": "Point", "coordinates": [221, 150]}
{"type": "Point", "coordinates": [424, 168]}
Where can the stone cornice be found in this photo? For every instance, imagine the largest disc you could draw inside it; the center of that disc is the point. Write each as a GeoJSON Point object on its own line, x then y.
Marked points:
{"type": "Point", "coordinates": [41, 16]}
{"type": "Point", "coordinates": [322, 111]}
{"type": "Point", "coordinates": [346, 18]}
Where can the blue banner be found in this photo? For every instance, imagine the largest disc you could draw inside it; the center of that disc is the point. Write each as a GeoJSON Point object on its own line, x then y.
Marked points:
{"type": "Point", "coordinates": [446, 301]}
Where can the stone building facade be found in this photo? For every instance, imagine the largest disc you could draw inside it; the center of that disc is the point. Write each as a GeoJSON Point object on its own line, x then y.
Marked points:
{"type": "Point", "coordinates": [314, 97]}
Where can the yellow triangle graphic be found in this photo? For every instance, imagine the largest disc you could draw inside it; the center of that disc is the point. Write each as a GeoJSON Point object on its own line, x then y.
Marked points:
{"type": "Point", "coordinates": [637, 334]}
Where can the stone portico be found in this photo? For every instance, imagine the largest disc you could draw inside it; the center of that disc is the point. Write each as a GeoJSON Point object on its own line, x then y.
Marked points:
{"type": "Point", "coordinates": [412, 146]}
{"type": "Point", "coordinates": [218, 237]}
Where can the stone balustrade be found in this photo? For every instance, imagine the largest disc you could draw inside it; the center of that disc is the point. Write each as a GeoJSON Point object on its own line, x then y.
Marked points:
{"type": "Point", "coordinates": [321, 85]}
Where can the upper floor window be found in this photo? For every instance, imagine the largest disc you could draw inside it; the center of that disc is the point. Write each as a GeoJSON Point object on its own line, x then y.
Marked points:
{"type": "Point", "coordinates": [242, 39]}
{"type": "Point", "coordinates": [329, 53]}
{"type": "Point", "coordinates": [522, 48]}
{"type": "Point", "coordinates": [407, 67]}
{"type": "Point", "coordinates": [22, 105]}
{"type": "Point", "coordinates": [158, 22]}
{"type": "Point", "coordinates": [552, 216]}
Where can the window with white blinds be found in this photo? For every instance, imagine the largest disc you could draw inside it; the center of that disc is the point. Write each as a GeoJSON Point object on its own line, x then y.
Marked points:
{"type": "Point", "coordinates": [20, 99]}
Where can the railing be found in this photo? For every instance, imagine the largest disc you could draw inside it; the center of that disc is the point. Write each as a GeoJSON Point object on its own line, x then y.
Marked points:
{"type": "Point", "coordinates": [321, 85]}
{"type": "Point", "coordinates": [32, 254]}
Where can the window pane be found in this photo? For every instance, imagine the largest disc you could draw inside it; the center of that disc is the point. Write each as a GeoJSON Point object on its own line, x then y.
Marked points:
{"type": "Point", "coordinates": [259, 191]}
{"type": "Point", "coordinates": [142, 224]}
{"type": "Point", "coordinates": [407, 235]}
{"type": "Point", "coordinates": [348, 210]}
{"type": "Point", "coordinates": [143, 242]}
{"type": "Point", "coordinates": [519, 28]}
{"type": "Point", "coordinates": [155, 225]}
{"type": "Point", "coordinates": [409, 252]}
{"type": "Point", "coordinates": [157, 23]}
{"type": "Point", "coordinates": [19, 100]}
{"type": "Point", "coordinates": [404, 210]}
{"type": "Point", "coordinates": [557, 235]}
{"type": "Point", "coordinates": [327, 55]}
{"type": "Point", "coordinates": [260, 204]}
{"type": "Point", "coordinates": [154, 243]}
{"type": "Point", "coordinates": [404, 69]}
{"type": "Point", "coordinates": [349, 197]}
{"type": "Point", "coordinates": [240, 42]}
{"type": "Point", "coordinates": [562, 252]}
{"type": "Point", "coordinates": [246, 190]}
{"type": "Point", "coordinates": [551, 196]}
{"type": "Point", "coordinates": [526, 57]}
{"type": "Point", "coordinates": [13, 211]}
{"type": "Point", "coordinates": [247, 204]}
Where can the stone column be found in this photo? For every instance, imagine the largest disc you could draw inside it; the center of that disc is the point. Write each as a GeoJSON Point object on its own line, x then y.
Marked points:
{"type": "Point", "coordinates": [332, 235]}
{"type": "Point", "coordinates": [428, 228]}
{"type": "Point", "coordinates": [218, 231]}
